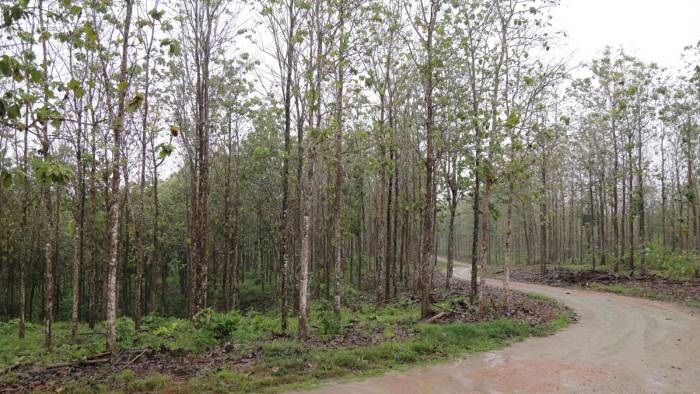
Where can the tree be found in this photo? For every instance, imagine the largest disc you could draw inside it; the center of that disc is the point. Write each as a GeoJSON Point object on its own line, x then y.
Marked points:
{"type": "Point", "coordinates": [117, 128]}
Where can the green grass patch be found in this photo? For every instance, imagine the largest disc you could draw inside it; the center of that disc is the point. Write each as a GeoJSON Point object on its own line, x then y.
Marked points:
{"type": "Point", "coordinates": [291, 365]}
{"type": "Point", "coordinates": [638, 291]}
{"type": "Point", "coordinates": [380, 340]}
{"type": "Point", "coordinates": [626, 289]}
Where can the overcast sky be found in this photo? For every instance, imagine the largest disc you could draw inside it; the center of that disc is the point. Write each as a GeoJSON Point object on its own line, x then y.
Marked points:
{"type": "Point", "coordinates": [653, 30]}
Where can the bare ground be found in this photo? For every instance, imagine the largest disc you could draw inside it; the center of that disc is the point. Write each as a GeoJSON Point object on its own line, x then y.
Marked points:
{"type": "Point", "coordinates": [621, 345]}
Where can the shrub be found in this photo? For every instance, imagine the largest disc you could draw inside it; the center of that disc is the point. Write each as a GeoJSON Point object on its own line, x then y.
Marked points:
{"type": "Point", "coordinates": [221, 325]}
{"type": "Point", "coordinates": [329, 323]}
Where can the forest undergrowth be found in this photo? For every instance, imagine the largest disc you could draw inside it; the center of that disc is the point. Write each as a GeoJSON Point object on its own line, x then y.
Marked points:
{"type": "Point", "coordinates": [235, 352]}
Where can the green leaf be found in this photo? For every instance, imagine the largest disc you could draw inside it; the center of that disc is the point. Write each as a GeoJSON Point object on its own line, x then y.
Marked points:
{"type": "Point", "coordinates": [165, 150]}
{"type": "Point", "coordinates": [513, 119]}
{"type": "Point", "coordinates": [76, 88]}
{"type": "Point", "coordinates": [13, 111]}
{"type": "Point", "coordinates": [155, 14]}
{"type": "Point", "coordinates": [5, 66]}
{"type": "Point", "coordinates": [36, 75]}
{"type": "Point", "coordinates": [6, 179]}
{"type": "Point", "coordinates": [174, 48]}
{"type": "Point", "coordinates": [135, 103]}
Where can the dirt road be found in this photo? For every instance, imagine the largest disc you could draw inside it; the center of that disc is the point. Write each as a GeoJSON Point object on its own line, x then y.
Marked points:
{"type": "Point", "coordinates": [619, 345]}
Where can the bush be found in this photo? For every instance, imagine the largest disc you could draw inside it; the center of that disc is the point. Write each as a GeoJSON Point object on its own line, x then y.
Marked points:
{"type": "Point", "coordinates": [680, 265]}
{"type": "Point", "coordinates": [329, 323]}
{"type": "Point", "coordinates": [221, 325]}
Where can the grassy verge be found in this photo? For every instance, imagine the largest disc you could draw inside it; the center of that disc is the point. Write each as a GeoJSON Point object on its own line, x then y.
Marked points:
{"type": "Point", "coordinates": [293, 367]}
{"type": "Point", "coordinates": [365, 341]}
{"type": "Point", "coordinates": [678, 289]}
{"type": "Point", "coordinates": [628, 289]}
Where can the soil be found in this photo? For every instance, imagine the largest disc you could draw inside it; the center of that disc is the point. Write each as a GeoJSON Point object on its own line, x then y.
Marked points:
{"type": "Point", "coordinates": [619, 345]}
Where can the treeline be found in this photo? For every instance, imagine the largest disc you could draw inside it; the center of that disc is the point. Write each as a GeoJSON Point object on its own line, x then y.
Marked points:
{"type": "Point", "coordinates": [618, 182]}
{"type": "Point", "coordinates": [151, 164]}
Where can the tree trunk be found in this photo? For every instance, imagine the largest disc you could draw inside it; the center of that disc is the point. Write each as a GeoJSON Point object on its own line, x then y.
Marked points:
{"type": "Point", "coordinates": [615, 177]}
{"type": "Point", "coordinates": [630, 165]}
{"type": "Point", "coordinates": [49, 292]}
{"type": "Point", "coordinates": [227, 285]}
{"type": "Point", "coordinates": [429, 209]}
{"type": "Point", "coordinates": [78, 251]}
{"type": "Point", "coordinates": [543, 220]}
{"type": "Point", "coordinates": [114, 206]}
{"type": "Point", "coordinates": [509, 233]}
{"type": "Point", "coordinates": [338, 201]}
{"type": "Point", "coordinates": [451, 229]}
{"type": "Point", "coordinates": [309, 183]}
{"type": "Point", "coordinates": [640, 191]}
{"type": "Point", "coordinates": [92, 227]}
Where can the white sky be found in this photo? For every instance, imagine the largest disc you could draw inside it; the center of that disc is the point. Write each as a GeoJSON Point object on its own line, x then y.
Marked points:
{"type": "Point", "coordinates": [653, 30]}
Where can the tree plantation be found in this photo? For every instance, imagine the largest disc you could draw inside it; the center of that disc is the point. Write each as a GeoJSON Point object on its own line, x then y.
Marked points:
{"type": "Point", "coordinates": [210, 174]}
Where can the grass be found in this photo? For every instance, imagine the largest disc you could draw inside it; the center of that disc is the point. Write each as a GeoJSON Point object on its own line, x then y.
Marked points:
{"type": "Point", "coordinates": [157, 331]}
{"type": "Point", "coordinates": [660, 260]}
{"type": "Point", "coordinates": [304, 368]}
{"type": "Point", "coordinates": [626, 289]}
{"type": "Point", "coordinates": [386, 339]}
{"type": "Point", "coordinates": [209, 329]}
{"type": "Point", "coordinates": [637, 291]}
{"type": "Point", "coordinates": [291, 365]}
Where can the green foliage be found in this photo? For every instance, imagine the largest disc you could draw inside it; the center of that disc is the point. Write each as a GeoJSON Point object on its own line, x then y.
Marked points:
{"type": "Point", "coordinates": [513, 119]}
{"type": "Point", "coordinates": [135, 103]}
{"type": "Point", "coordinates": [165, 150]}
{"type": "Point", "coordinates": [221, 325]}
{"type": "Point", "coordinates": [283, 363]}
{"type": "Point", "coordinates": [149, 383]}
{"type": "Point", "coordinates": [13, 13]}
{"type": "Point", "coordinates": [223, 382]}
{"type": "Point", "coordinates": [672, 264]}
{"type": "Point", "coordinates": [290, 364]}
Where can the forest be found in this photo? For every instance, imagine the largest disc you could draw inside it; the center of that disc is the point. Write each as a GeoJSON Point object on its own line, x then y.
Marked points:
{"type": "Point", "coordinates": [196, 163]}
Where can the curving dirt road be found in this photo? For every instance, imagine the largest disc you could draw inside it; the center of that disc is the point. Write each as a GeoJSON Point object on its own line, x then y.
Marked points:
{"type": "Point", "coordinates": [620, 345]}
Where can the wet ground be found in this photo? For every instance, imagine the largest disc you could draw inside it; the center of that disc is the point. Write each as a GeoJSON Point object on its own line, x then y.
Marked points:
{"type": "Point", "coordinates": [620, 344]}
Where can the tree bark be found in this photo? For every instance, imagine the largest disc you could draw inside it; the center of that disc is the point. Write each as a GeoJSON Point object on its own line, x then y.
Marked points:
{"type": "Point", "coordinates": [284, 227]}
{"type": "Point", "coordinates": [338, 201]}
{"type": "Point", "coordinates": [114, 204]}
{"type": "Point", "coordinates": [429, 209]}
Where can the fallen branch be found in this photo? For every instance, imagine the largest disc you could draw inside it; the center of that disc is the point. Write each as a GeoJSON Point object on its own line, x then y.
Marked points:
{"type": "Point", "coordinates": [89, 361]}
{"type": "Point", "coordinates": [59, 365]}
{"type": "Point", "coordinates": [95, 361]}
{"type": "Point", "coordinates": [99, 355]}
{"type": "Point", "coordinates": [10, 368]}
{"type": "Point", "coordinates": [445, 308]}
{"type": "Point", "coordinates": [432, 319]}
{"type": "Point", "coordinates": [134, 359]}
